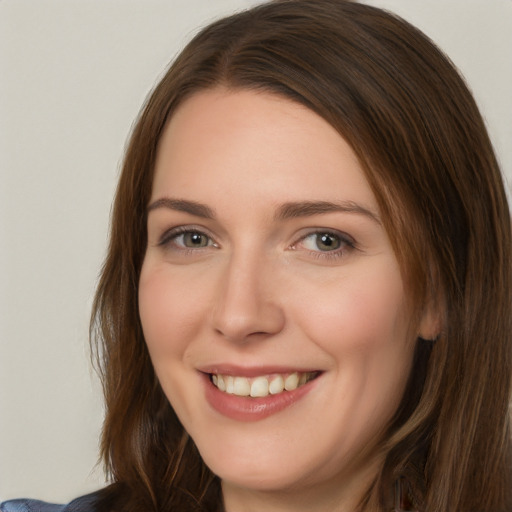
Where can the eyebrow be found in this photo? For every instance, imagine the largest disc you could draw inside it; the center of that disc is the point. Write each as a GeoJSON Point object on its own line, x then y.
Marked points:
{"type": "Point", "coordinates": [285, 211]}
{"type": "Point", "coordinates": [183, 205]}
{"type": "Point", "coordinates": [309, 208]}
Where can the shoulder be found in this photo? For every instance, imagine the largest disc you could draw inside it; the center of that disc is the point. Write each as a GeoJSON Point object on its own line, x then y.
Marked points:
{"type": "Point", "coordinates": [84, 504]}
{"type": "Point", "coordinates": [25, 505]}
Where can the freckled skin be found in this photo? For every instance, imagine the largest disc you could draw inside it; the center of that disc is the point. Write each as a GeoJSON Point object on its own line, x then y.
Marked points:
{"type": "Point", "coordinates": [259, 290]}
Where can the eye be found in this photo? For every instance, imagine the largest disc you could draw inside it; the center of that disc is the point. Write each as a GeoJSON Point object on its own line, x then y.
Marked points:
{"type": "Point", "coordinates": [183, 238]}
{"type": "Point", "coordinates": [322, 242]}
{"type": "Point", "coordinates": [192, 240]}
{"type": "Point", "coordinates": [325, 244]}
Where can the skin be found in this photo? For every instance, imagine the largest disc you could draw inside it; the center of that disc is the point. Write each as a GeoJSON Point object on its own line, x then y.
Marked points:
{"type": "Point", "coordinates": [258, 288]}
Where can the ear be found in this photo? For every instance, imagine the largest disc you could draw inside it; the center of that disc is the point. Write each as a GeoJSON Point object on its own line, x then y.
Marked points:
{"type": "Point", "coordinates": [431, 323]}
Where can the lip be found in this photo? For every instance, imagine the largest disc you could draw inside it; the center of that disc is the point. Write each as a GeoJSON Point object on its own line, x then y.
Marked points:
{"type": "Point", "coordinates": [247, 409]}
{"type": "Point", "coordinates": [253, 371]}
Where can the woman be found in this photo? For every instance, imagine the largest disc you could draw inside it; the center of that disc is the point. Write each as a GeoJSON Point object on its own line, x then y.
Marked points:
{"type": "Point", "coordinates": [306, 303]}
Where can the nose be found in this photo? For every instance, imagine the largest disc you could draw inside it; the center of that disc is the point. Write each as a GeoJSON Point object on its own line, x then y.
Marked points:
{"type": "Point", "coordinates": [247, 303]}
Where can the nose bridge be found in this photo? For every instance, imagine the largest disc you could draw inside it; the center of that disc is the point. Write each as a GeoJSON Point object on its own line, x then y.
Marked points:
{"type": "Point", "coordinates": [246, 302]}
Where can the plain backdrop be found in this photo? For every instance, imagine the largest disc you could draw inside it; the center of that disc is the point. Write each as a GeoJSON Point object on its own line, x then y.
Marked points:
{"type": "Point", "coordinates": [73, 74]}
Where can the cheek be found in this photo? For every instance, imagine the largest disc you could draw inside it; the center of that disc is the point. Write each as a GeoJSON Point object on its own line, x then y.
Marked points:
{"type": "Point", "coordinates": [362, 322]}
{"type": "Point", "coordinates": [169, 322]}
{"type": "Point", "coordinates": [166, 313]}
{"type": "Point", "coordinates": [363, 311]}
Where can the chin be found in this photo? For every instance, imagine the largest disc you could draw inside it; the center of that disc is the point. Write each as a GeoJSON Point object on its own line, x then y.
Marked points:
{"type": "Point", "coordinates": [262, 479]}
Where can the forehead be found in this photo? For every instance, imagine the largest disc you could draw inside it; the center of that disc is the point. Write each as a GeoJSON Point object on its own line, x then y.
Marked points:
{"type": "Point", "coordinates": [220, 141]}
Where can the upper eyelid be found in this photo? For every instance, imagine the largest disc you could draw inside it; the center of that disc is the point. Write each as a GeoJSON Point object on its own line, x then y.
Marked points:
{"type": "Point", "coordinates": [341, 234]}
{"type": "Point", "coordinates": [173, 232]}
{"type": "Point", "coordinates": [170, 233]}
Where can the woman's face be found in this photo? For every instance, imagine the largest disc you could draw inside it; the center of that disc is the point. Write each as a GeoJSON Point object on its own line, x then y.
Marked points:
{"type": "Point", "coordinates": [268, 273]}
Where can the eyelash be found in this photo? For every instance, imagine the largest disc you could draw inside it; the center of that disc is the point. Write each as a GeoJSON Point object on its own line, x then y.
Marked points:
{"type": "Point", "coordinates": [346, 242]}
{"type": "Point", "coordinates": [169, 238]}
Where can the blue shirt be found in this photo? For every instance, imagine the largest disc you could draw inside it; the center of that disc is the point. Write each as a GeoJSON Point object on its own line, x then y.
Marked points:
{"type": "Point", "coordinates": [83, 504]}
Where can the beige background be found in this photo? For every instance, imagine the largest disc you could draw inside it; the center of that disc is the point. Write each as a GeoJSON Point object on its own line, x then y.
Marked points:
{"type": "Point", "coordinates": [73, 74]}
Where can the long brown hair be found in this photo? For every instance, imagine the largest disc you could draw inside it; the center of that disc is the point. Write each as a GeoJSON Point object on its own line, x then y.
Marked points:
{"type": "Point", "coordinates": [420, 138]}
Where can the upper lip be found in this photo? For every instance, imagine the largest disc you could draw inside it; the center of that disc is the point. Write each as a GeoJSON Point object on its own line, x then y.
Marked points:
{"type": "Point", "coordinates": [252, 371]}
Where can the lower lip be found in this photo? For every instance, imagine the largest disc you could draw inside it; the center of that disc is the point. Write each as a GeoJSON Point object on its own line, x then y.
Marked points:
{"type": "Point", "coordinates": [242, 408]}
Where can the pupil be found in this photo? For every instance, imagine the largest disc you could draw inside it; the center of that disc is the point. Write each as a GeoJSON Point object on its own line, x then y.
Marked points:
{"type": "Point", "coordinates": [195, 240]}
{"type": "Point", "coordinates": [328, 241]}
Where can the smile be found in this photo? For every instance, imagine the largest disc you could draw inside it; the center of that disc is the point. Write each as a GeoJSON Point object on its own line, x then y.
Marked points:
{"type": "Point", "coordinates": [261, 386]}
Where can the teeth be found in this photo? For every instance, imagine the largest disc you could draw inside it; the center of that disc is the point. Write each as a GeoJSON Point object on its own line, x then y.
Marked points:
{"type": "Point", "coordinates": [230, 384]}
{"type": "Point", "coordinates": [220, 383]}
{"type": "Point", "coordinates": [276, 385]}
{"type": "Point", "coordinates": [291, 382]}
{"type": "Point", "coordinates": [261, 386]}
{"type": "Point", "coordinates": [242, 386]}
